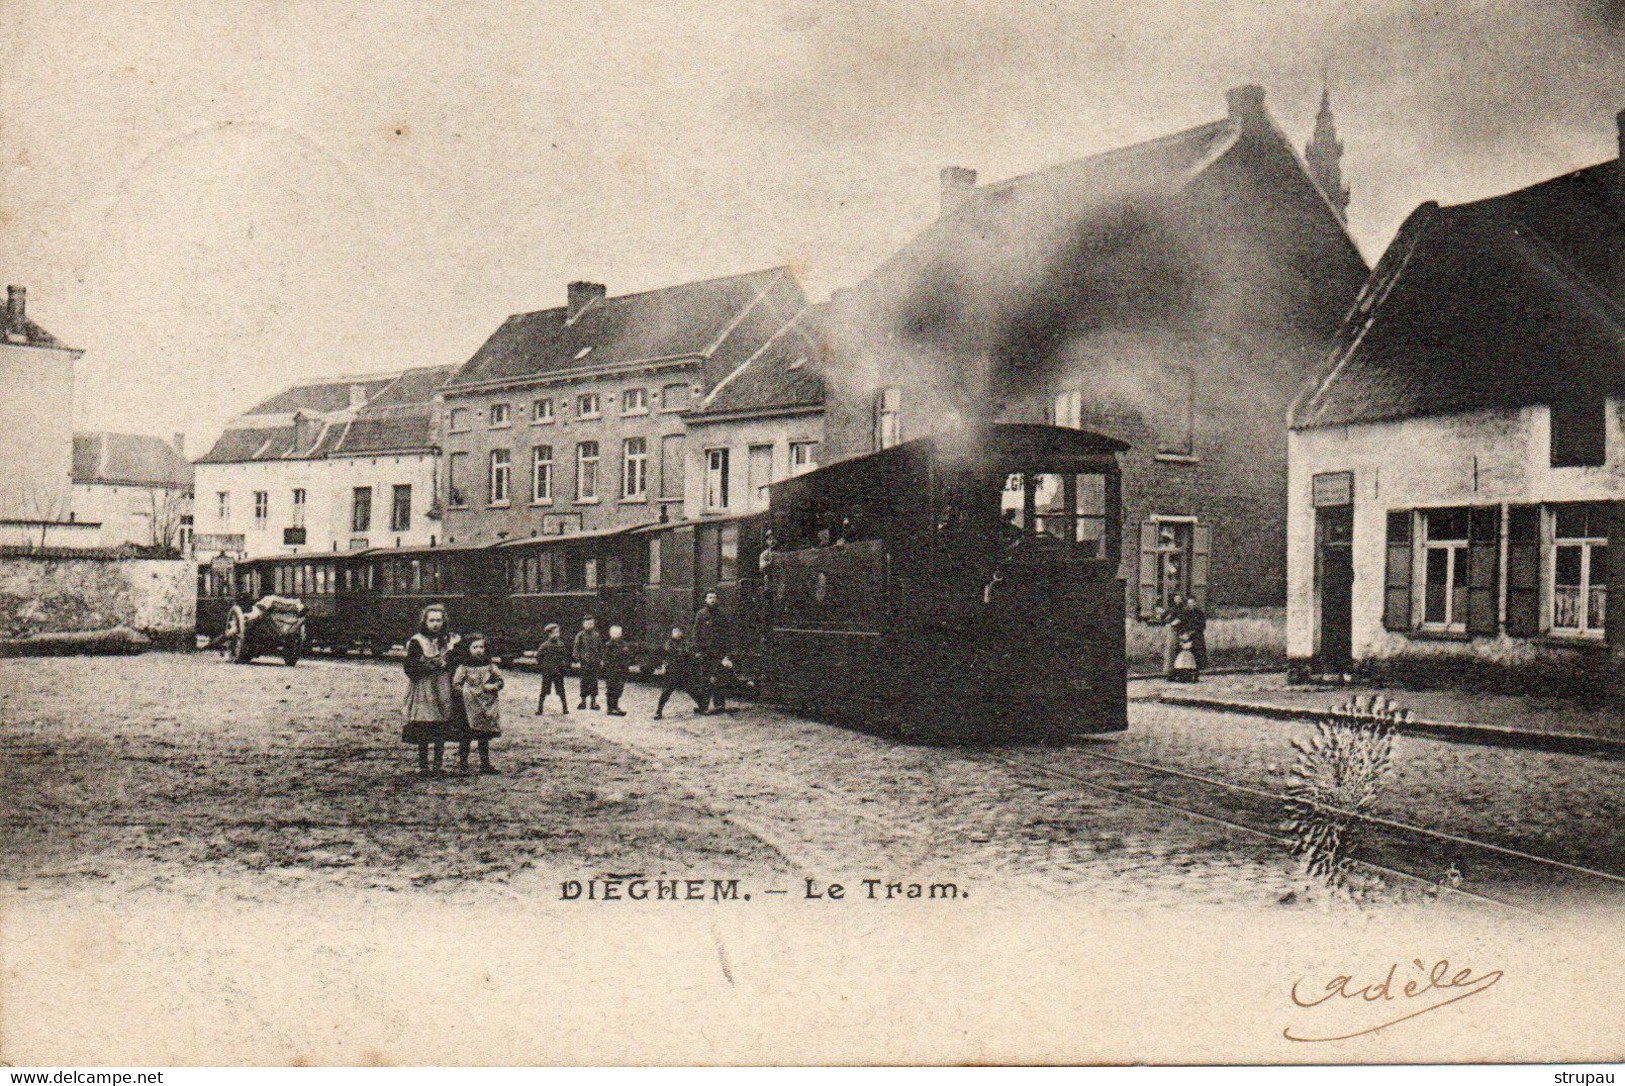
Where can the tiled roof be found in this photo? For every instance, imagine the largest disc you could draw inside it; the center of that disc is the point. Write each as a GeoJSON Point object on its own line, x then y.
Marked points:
{"type": "Point", "coordinates": [784, 374]}
{"type": "Point", "coordinates": [129, 460]}
{"type": "Point", "coordinates": [322, 397]}
{"type": "Point", "coordinates": [1497, 303]}
{"type": "Point", "coordinates": [1004, 244]}
{"type": "Point", "coordinates": [718, 319]}
{"type": "Point", "coordinates": [396, 417]}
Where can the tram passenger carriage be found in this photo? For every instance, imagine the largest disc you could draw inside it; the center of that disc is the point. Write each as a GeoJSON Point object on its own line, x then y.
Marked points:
{"type": "Point", "coordinates": [961, 586]}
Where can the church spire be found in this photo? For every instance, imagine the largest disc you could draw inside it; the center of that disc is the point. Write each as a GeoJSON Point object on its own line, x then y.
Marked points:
{"type": "Point", "coordinates": [1324, 154]}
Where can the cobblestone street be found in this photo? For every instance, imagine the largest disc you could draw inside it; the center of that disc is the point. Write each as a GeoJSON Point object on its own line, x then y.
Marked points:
{"type": "Point", "coordinates": [136, 770]}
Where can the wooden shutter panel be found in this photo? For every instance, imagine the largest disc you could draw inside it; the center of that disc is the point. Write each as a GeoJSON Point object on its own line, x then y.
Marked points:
{"type": "Point", "coordinates": [1201, 558]}
{"type": "Point", "coordinates": [1523, 571]}
{"type": "Point", "coordinates": [1396, 583]}
{"type": "Point", "coordinates": [1148, 570]}
{"type": "Point", "coordinates": [1483, 569]}
{"type": "Point", "coordinates": [1614, 619]}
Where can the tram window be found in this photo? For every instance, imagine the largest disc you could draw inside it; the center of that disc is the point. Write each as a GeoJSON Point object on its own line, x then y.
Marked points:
{"type": "Point", "coordinates": [611, 573]}
{"type": "Point", "coordinates": [558, 571]}
{"type": "Point", "coordinates": [589, 573]}
{"type": "Point", "coordinates": [654, 559]}
{"type": "Point", "coordinates": [728, 553]}
{"type": "Point", "coordinates": [1060, 508]}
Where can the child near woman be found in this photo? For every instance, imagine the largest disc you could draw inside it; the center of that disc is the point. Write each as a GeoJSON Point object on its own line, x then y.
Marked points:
{"type": "Point", "coordinates": [479, 681]}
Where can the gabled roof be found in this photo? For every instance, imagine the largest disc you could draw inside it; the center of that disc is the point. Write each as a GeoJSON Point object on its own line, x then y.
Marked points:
{"type": "Point", "coordinates": [395, 416]}
{"type": "Point", "coordinates": [1497, 303]}
{"type": "Point", "coordinates": [721, 321]}
{"type": "Point", "coordinates": [785, 373]}
{"type": "Point", "coordinates": [128, 460]}
{"type": "Point", "coordinates": [1143, 239]}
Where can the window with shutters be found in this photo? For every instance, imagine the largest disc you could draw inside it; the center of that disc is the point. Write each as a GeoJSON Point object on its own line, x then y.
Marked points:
{"type": "Point", "coordinates": [1175, 556]}
{"type": "Point", "coordinates": [1396, 584]}
{"type": "Point", "coordinates": [1579, 436]}
{"type": "Point", "coordinates": [1576, 574]}
{"type": "Point", "coordinates": [1444, 570]}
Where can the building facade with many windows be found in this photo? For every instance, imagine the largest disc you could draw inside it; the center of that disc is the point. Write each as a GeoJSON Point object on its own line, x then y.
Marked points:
{"type": "Point", "coordinates": [1458, 476]}
{"type": "Point", "coordinates": [337, 465]}
{"type": "Point", "coordinates": [573, 418]}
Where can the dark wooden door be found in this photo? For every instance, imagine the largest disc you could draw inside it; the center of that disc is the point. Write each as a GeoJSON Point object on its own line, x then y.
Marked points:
{"type": "Point", "coordinates": [1334, 567]}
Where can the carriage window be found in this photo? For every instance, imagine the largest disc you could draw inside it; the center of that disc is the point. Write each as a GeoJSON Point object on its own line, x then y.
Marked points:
{"type": "Point", "coordinates": [1057, 509]}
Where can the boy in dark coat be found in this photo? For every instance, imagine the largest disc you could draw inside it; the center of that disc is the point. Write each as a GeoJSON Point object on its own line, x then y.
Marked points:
{"type": "Point", "coordinates": [553, 661]}
{"type": "Point", "coordinates": [589, 653]}
{"type": "Point", "coordinates": [617, 665]}
{"type": "Point", "coordinates": [677, 672]}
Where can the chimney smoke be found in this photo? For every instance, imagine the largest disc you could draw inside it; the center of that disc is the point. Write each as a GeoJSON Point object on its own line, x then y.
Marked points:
{"type": "Point", "coordinates": [581, 294]}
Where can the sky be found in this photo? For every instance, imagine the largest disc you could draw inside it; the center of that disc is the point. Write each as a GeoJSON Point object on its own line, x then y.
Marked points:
{"type": "Point", "coordinates": [216, 199]}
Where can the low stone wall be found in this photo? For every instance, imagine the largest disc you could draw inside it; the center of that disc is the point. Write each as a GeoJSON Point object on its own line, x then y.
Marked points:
{"type": "Point", "coordinates": [58, 594]}
{"type": "Point", "coordinates": [1236, 637]}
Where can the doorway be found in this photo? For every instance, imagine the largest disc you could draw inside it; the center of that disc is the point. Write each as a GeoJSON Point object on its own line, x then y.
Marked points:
{"type": "Point", "coordinates": [1334, 587]}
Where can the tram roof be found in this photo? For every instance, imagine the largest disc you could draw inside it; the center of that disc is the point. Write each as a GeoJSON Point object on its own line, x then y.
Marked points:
{"type": "Point", "coordinates": [566, 537]}
{"type": "Point", "coordinates": [999, 440]}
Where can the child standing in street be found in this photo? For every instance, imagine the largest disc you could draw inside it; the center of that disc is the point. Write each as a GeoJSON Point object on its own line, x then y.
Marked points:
{"type": "Point", "coordinates": [553, 661]}
{"type": "Point", "coordinates": [589, 653]}
{"type": "Point", "coordinates": [677, 672]}
{"type": "Point", "coordinates": [617, 665]}
{"type": "Point", "coordinates": [480, 682]}
{"type": "Point", "coordinates": [432, 720]}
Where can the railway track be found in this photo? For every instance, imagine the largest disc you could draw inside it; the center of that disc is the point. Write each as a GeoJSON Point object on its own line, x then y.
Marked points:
{"type": "Point", "coordinates": [1481, 871]}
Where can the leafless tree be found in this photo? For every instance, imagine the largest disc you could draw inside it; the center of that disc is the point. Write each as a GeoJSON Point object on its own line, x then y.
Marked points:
{"type": "Point", "coordinates": [168, 508]}
{"type": "Point", "coordinates": [47, 507]}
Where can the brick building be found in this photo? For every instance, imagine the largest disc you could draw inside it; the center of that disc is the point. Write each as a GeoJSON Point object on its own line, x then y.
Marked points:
{"type": "Point", "coordinates": [572, 418]}
{"type": "Point", "coordinates": [332, 465]}
{"type": "Point", "coordinates": [1176, 294]}
{"type": "Point", "coordinates": [1458, 477]}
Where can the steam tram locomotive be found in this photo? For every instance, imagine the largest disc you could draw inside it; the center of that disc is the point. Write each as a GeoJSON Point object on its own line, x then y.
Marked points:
{"type": "Point", "coordinates": [962, 586]}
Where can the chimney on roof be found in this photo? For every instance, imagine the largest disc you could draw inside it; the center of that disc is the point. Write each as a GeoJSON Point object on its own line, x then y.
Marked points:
{"type": "Point", "coordinates": [358, 396]}
{"type": "Point", "coordinates": [16, 309]}
{"type": "Point", "coordinates": [957, 185]}
{"type": "Point", "coordinates": [580, 294]}
{"type": "Point", "coordinates": [1246, 105]}
{"type": "Point", "coordinates": [179, 444]}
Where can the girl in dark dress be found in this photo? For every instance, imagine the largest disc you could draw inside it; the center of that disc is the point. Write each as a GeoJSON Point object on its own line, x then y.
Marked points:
{"type": "Point", "coordinates": [433, 718]}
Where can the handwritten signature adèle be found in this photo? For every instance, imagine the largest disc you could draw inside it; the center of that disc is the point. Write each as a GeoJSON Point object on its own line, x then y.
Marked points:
{"type": "Point", "coordinates": [1435, 985]}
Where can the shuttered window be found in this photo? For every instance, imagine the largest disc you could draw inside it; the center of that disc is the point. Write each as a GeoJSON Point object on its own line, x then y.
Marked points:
{"type": "Point", "coordinates": [1175, 560]}
{"type": "Point", "coordinates": [1523, 571]}
{"type": "Point", "coordinates": [1396, 582]}
{"type": "Point", "coordinates": [1483, 570]}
